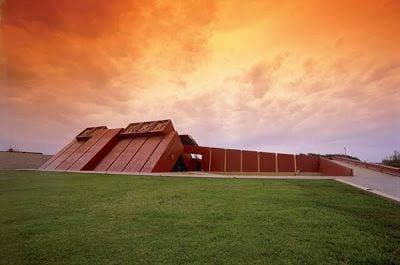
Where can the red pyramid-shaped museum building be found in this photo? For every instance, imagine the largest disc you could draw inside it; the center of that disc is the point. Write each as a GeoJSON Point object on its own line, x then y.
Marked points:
{"type": "Point", "coordinates": [155, 146]}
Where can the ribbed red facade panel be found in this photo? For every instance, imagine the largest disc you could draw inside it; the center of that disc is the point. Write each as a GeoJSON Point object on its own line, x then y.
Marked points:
{"type": "Point", "coordinates": [54, 157]}
{"type": "Point", "coordinates": [94, 154]}
{"type": "Point", "coordinates": [122, 161]}
{"type": "Point", "coordinates": [115, 152]}
{"type": "Point", "coordinates": [267, 162]}
{"type": "Point", "coordinates": [249, 161]}
{"type": "Point", "coordinates": [143, 154]}
{"type": "Point", "coordinates": [285, 163]}
{"type": "Point", "coordinates": [217, 159]}
{"type": "Point", "coordinates": [165, 155]}
{"type": "Point", "coordinates": [232, 160]}
{"type": "Point", "coordinates": [53, 165]}
{"type": "Point", "coordinates": [82, 150]}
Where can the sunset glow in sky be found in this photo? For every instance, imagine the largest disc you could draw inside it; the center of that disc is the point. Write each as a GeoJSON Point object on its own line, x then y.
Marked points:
{"type": "Point", "coordinates": [280, 76]}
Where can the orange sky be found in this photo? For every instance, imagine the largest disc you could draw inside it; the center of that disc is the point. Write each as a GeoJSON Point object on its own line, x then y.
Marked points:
{"type": "Point", "coordinates": [288, 76]}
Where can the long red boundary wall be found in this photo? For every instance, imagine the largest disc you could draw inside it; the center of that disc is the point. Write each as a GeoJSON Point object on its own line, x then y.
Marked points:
{"type": "Point", "coordinates": [330, 168]}
{"type": "Point", "coordinates": [381, 168]}
{"type": "Point", "coordinates": [239, 161]}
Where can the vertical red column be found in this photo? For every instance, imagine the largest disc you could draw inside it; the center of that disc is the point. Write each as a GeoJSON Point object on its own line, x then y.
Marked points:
{"type": "Point", "coordinates": [249, 161]}
{"type": "Point", "coordinates": [285, 162]}
{"type": "Point", "coordinates": [267, 162]}
{"type": "Point", "coordinates": [233, 160]}
{"type": "Point", "coordinates": [217, 159]}
{"type": "Point", "coordinates": [306, 163]}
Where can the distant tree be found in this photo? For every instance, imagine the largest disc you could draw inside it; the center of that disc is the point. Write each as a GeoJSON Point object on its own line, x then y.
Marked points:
{"type": "Point", "coordinates": [392, 160]}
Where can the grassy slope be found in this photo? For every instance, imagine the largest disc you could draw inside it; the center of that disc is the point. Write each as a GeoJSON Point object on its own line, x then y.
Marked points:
{"type": "Point", "coordinates": [85, 218]}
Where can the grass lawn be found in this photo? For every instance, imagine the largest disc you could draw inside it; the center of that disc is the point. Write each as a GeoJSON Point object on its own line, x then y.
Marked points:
{"type": "Point", "coordinates": [68, 218]}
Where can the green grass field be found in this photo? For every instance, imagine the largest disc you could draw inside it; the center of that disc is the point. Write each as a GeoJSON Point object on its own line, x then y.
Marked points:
{"type": "Point", "coordinates": [66, 218]}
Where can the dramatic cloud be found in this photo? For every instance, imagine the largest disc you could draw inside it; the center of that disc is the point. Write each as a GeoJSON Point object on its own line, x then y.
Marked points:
{"type": "Point", "coordinates": [309, 76]}
{"type": "Point", "coordinates": [260, 77]}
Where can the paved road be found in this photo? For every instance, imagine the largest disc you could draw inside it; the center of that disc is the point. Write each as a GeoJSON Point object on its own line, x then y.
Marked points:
{"type": "Point", "coordinates": [377, 181]}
